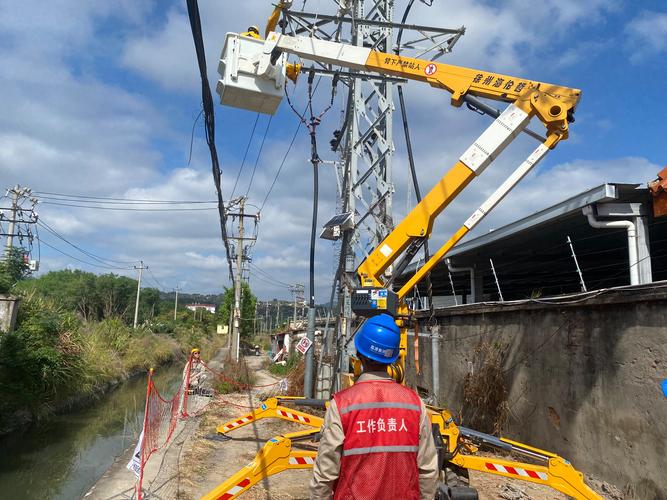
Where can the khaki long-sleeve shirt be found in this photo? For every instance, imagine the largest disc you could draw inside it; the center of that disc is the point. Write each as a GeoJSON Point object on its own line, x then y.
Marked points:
{"type": "Point", "coordinates": [327, 464]}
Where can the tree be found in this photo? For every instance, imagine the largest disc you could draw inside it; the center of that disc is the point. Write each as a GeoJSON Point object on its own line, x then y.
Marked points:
{"type": "Point", "coordinates": [13, 269]}
{"type": "Point", "coordinates": [248, 303]}
{"type": "Point", "coordinates": [149, 303]}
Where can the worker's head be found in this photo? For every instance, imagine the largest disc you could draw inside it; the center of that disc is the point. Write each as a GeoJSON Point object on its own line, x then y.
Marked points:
{"type": "Point", "coordinates": [253, 29]}
{"type": "Point", "coordinates": [194, 353]}
{"type": "Point", "coordinates": [378, 340]}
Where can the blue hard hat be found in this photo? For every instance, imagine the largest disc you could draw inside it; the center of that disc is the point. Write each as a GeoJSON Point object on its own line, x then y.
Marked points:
{"type": "Point", "coordinates": [378, 339]}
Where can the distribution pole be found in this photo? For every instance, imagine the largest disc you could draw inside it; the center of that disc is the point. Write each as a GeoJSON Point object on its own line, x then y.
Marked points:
{"type": "Point", "coordinates": [176, 303]}
{"type": "Point", "coordinates": [12, 221]}
{"type": "Point", "coordinates": [20, 217]}
{"type": "Point", "coordinates": [296, 289]}
{"type": "Point", "coordinates": [254, 321]}
{"type": "Point", "coordinates": [141, 267]}
{"type": "Point", "coordinates": [237, 283]}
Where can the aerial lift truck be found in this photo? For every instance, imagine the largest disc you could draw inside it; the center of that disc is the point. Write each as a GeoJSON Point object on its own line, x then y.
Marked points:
{"type": "Point", "coordinates": [253, 74]}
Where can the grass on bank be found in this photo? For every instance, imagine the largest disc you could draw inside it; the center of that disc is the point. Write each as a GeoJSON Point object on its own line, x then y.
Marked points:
{"type": "Point", "coordinates": [53, 356]}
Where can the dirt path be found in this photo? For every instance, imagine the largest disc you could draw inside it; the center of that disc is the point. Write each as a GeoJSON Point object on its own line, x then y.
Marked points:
{"type": "Point", "coordinates": [196, 461]}
{"type": "Point", "coordinates": [209, 462]}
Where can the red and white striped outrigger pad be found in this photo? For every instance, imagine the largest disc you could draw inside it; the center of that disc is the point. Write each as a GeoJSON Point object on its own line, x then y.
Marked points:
{"type": "Point", "coordinates": [294, 416]}
{"type": "Point", "coordinates": [238, 423]}
{"type": "Point", "coordinates": [301, 460]}
{"type": "Point", "coordinates": [517, 471]}
{"type": "Point", "coordinates": [235, 490]}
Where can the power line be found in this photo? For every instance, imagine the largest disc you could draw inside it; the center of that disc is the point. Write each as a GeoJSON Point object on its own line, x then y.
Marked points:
{"type": "Point", "coordinates": [144, 200]}
{"type": "Point", "coordinates": [282, 164]}
{"type": "Point", "coordinates": [259, 154]}
{"type": "Point", "coordinates": [209, 121]}
{"type": "Point", "coordinates": [80, 260]}
{"type": "Point", "coordinates": [102, 260]}
{"type": "Point", "coordinates": [260, 270]}
{"type": "Point", "coordinates": [289, 148]}
{"type": "Point", "coordinates": [259, 277]}
{"type": "Point", "coordinates": [117, 201]}
{"type": "Point", "coordinates": [152, 276]}
{"type": "Point", "coordinates": [128, 209]}
{"type": "Point", "coordinates": [245, 155]}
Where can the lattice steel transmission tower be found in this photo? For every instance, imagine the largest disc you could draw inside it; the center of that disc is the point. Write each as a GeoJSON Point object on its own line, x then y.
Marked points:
{"type": "Point", "coordinates": [364, 142]}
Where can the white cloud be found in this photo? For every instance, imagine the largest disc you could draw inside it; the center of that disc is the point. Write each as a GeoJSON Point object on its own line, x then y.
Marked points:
{"type": "Point", "coordinates": [647, 34]}
{"type": "Point", "coordinates": [209, 262]}
{"type": "Point", "coordinates": [66, 127]}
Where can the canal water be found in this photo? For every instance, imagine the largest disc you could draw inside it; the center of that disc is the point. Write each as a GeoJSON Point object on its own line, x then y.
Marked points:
{"type": "Point", "coordinates": [62, 458]}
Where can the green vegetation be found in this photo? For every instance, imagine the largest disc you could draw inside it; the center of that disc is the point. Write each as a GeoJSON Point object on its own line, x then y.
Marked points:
{"type": "Point", "coordinates": [235, 378]}
{"type": "Point", "coordinates": [280, 370]}
{"type": "Point", "coordinates": [74, 336]}
{"type": "Point", "coordinates": [12, 269]}
{"type": "Point", "coordinates": [248, 304]}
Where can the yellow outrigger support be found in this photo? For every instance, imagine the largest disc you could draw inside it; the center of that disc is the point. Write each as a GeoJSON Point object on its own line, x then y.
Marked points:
{"type": "Point", "coordinates": [276, 456]}
{"type": "Point", "coordinates": [456, 445]}
{"type": "Point", "coordinates": [271, 408]}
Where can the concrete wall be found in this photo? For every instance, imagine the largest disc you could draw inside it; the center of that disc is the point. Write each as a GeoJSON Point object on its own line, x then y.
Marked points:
{"type": "Point", "coordinates": [9, 308]}
{"type": "Point", "coordinates": [583, 379]}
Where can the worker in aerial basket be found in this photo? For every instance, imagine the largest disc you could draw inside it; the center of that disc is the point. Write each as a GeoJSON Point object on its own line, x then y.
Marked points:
{"type": "Point", "coordinates": [376, 438]}
{"type": "Point", "coordinates": [253, 32]}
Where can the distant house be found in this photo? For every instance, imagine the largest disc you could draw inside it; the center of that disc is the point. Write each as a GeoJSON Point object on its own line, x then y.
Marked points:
{"type": "Point", "coordinates": [209, 307]}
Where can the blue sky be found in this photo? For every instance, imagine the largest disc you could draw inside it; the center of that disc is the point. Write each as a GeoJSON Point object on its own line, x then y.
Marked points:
{"type": "Point", "coordinates": [99, 99]}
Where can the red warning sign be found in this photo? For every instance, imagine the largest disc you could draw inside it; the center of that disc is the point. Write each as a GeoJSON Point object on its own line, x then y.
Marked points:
{"type": "Point", "coordinates": [430, 69]}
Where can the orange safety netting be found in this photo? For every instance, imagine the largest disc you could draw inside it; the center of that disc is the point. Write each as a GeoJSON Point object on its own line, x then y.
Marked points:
{"type": "Point", "coordinates": [160, 418]}
{"type": "Point", "coordinates": [162, 414]}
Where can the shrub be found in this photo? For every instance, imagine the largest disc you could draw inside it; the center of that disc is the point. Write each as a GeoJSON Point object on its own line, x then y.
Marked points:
{"type": "Point", "coordinates": [235, 377]}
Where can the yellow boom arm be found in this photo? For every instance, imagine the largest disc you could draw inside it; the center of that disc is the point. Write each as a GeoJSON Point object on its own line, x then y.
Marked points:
{"type": "Point", "coordinates": [554, 105]}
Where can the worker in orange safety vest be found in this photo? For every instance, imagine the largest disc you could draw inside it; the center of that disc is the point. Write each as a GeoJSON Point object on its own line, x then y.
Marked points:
{"type": "Point", "coordinates": [376, 439]}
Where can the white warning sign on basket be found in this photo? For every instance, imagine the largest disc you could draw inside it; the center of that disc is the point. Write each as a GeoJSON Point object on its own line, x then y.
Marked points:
{"type": "Point", "coordinates": [303, 345]}
{"type": "Point", "coordinates": [430, 69]}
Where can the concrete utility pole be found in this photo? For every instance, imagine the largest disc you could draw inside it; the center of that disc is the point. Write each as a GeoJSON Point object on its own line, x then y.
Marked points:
{"type": "Point", "coordinates": [20, 215]}
{"type": "Point", "coordinates": [241, 257]}
{"type": "Point", "coordinates": [176, 303]}
{"type": "Point", "coordinates": [141, 267]}
{"type": "Point", "coordinates": [12, 221]}
{"type": "Point", "coordinates": [237, 283]}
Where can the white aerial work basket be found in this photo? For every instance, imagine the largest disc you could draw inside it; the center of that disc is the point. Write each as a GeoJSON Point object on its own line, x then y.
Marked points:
{"type": "Point", "coordinates": [249, 81]}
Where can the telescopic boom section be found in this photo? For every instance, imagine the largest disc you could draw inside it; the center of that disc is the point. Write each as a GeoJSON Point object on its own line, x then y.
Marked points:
{"type": "Point", "coordinates": [552, 104]}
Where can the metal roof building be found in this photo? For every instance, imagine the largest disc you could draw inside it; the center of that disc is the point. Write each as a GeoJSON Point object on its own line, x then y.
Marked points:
{"type": "Point", "coordinates": [533, 257]}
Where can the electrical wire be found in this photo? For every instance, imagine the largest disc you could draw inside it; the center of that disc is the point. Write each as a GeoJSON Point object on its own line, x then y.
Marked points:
{"type": "Point", "coordinates": [259, 269]}
{"type": "Point", "coordinates": [120, 209]}
{"type": "Point", "coordinates": [267, 282]}
{"type": "Point", "coordinates": [82, 261]}
{"type": "Point", "coordinates": [101, 260]}
{"type": "Point", "coordinates": [128, 202]}
{"type": "Point", "coordinates": [245, 155]}
{"type": "Point", "coordinates": [259, 154]}
{"type": "Point", "coordinates": [282, 164]}
{"type": "Point", "coordinates": [192, 134]}
{"type": "Point", "coordinates": [209, 120]}
{"type": "Point", "coordinates": [159, 285]}
{"type": "Point", "coordinates": [289, 148]}
{"type": "Point", "coordinates": [87, 199]}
